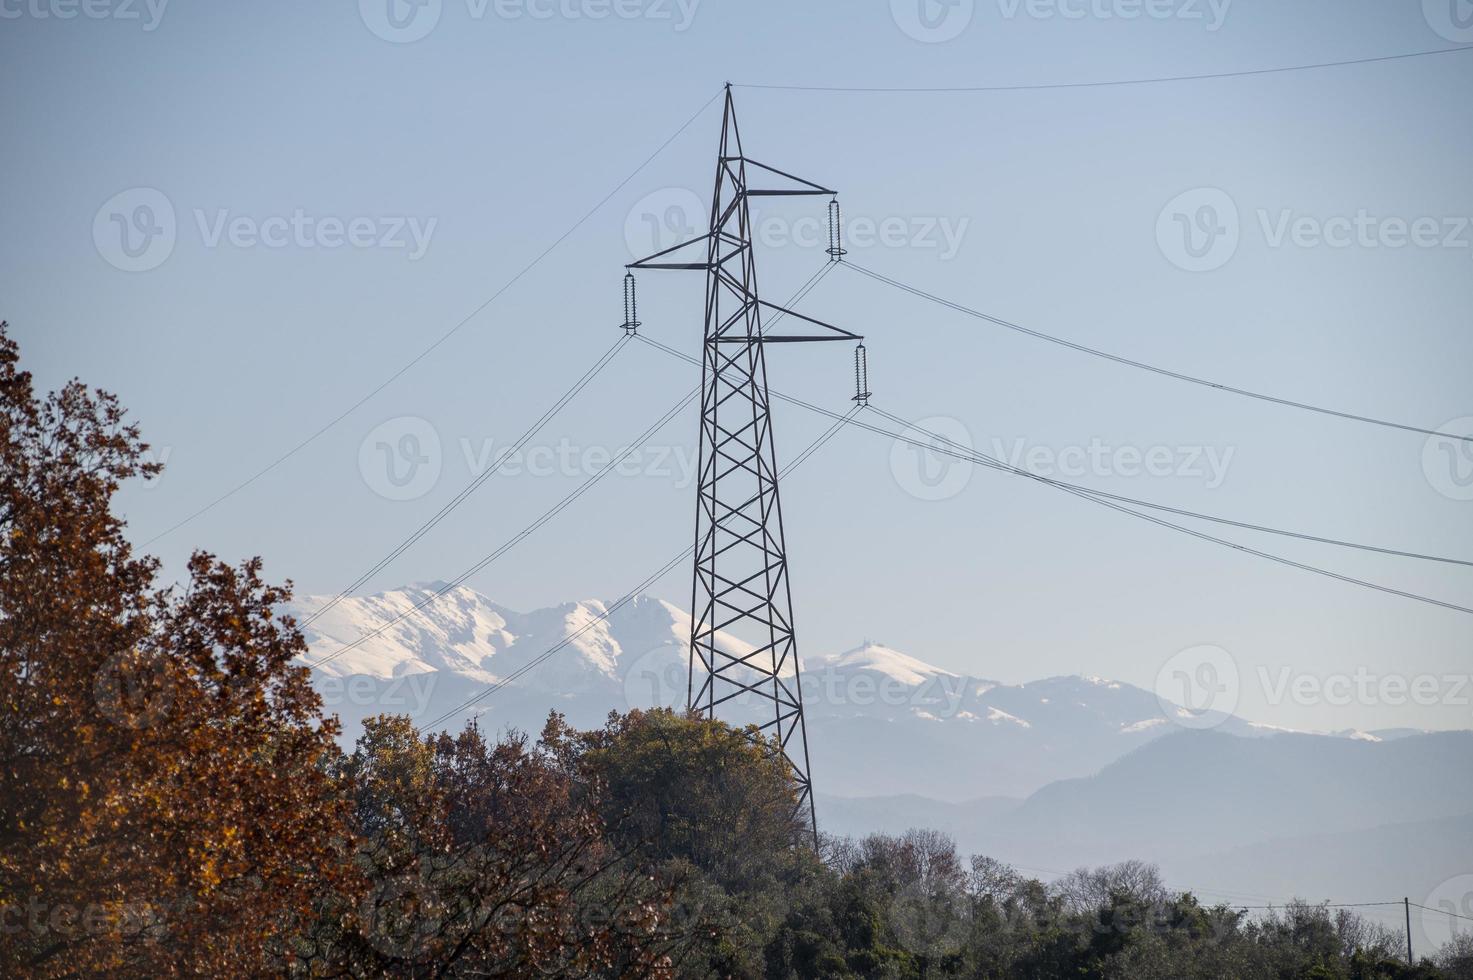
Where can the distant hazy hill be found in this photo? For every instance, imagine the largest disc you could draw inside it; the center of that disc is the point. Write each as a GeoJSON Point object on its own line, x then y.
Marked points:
{"type": "Point", "coordinates": [1248, 820]}
{"type": "Point", "coordinates": [1205, 792]}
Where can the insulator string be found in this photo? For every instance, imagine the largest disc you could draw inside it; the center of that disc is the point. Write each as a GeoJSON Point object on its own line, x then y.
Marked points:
{"type": "Point", "coordinates": [836, 248]}
{"type": "Point", "coordinates": [631, 306]}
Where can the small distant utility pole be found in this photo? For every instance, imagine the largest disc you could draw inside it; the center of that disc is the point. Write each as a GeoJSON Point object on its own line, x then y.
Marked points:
{"type": "Point", "coordinates": [1407, 904]}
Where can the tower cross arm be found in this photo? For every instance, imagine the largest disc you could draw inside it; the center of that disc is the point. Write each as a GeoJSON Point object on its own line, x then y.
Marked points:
{"type": "Point", "coordinates": [807, 186]}
{"type": "Point", "coordinates": [648, 262]}
{"type": "Point", "coordinates": [831, 332]}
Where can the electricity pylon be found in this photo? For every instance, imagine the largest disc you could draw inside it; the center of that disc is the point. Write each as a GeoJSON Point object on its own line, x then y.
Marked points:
{"type": "Point", "coordinates": [743, 644]}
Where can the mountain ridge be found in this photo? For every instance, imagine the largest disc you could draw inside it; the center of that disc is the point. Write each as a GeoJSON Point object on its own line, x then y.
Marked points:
{"type": "Point", "coordinates": [881, 721]}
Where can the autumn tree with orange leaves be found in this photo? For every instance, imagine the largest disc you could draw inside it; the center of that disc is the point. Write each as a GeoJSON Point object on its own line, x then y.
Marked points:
{"type": "Point", "coordinates": [168, 805]}
{"type": "Point", "coordinates": [172, 801]}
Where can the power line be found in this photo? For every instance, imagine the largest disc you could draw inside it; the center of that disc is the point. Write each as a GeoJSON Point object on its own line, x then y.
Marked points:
{"type": "Point", "coordinates": [438, 341]}
{"type": "Point", "coordinates": [1318, 905]}
{"type": "Point", "coordinates": [480, 479]}
{"type": "Point", "coordinates": [1326, 904]}
{"type": "Point", "coordinates": [1109, 83]}
{"type": "Point", "coordinates": [526, 532]}
{"type": "Point", "coordinates": [1133, 501]}
{"type": "Point", "coordinates": [629, 596]}
{"type": "Point", "coordinates": [1142, 365]}
{"type": "Point", "coordinates": [1181, 512]}
{"type": "Point", "coordinates": [984, 460]}
{"type": "Point", "coordinates": [1455, 915]}
{"type": "Point", "coordinates": [801, 292]}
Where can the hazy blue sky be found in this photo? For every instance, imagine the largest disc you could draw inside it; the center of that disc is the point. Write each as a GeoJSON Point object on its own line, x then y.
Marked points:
{"type": "Point", "coordinates": [500, 127]}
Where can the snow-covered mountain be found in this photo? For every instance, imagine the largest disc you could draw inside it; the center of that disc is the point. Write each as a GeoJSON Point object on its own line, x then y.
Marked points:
{"type": "Point", "coordinates": [880, 721]}
{"type": "Point", "coordinates": [1053, 773]}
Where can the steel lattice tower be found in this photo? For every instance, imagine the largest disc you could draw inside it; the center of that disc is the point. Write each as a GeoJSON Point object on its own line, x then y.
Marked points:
{"type": "Point", "coordinates": [741, 590]}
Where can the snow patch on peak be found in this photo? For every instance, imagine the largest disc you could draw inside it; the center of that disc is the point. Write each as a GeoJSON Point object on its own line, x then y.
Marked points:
{"type": "Point", "coordinates": [1273, 729]}
{"type": "Point", "coordinates": [880, 659]}
{"type": "Point", "coordinates": [406, 631]}
{"type": "Point", "coordinates": [1355, 734]}
{"type": "Point", "coordinates": [998, 716]}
